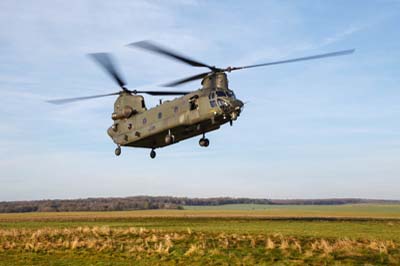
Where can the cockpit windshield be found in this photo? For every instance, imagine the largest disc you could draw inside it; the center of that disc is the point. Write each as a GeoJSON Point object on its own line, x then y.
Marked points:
{"type": "Point", "coordinates": [231, 94]}
{"type": "Point", "coordinates": [225, 93]}
{"type": "Point", "coordinates": [220, 93]}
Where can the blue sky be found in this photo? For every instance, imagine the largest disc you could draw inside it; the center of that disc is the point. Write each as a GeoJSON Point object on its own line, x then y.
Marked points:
{"type": "Point", "coordinates": [323, 128]}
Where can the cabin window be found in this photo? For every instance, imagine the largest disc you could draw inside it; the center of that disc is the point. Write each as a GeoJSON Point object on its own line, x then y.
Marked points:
{"type": "Point", "coordinates": [143, 105]}
{"type": "Point", "coordinates": [159, 115]}
{"type": "Point", "coordinates": [129, 126]}
{"type": "Point", "coordinates": [144, 121]}
{"type": "Point", "coordinates": [176, 109]}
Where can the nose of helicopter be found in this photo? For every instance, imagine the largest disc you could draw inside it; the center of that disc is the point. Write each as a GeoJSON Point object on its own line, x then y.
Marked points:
{"type": "Point", "coordinates": [237, 104]}
{"type": "Point", "coordinates": [235, 109]}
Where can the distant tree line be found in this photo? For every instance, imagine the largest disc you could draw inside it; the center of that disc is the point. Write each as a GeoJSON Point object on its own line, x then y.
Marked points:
{"type": "Point", "coordinates": [147, 202]}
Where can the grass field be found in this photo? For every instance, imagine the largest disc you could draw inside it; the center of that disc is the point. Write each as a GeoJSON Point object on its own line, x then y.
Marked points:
{"type": "Point", "coordinates": [227, 235]}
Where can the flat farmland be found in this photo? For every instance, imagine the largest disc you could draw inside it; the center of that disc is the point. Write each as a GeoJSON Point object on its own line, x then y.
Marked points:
{"type": "Point", "coordinates": [212, 235]}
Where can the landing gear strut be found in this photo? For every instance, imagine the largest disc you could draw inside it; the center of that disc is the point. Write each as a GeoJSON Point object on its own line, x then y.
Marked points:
{"type": "Point", "coordinates": [153, 154]}
{"type": "Point", "coordinates": [204, 142]}
{"type": "Point", "coordinates": [118, 151]}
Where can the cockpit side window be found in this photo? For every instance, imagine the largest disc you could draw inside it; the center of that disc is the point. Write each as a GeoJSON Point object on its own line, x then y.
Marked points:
{"type": "Point", "coordinates": [211, 95]}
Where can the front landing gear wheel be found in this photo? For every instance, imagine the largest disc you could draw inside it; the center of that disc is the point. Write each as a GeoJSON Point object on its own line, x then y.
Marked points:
{"type": "Point", "coordinates": [118, 151]}
{"type": "Point", "coordinates": [206, 142]}
{"type": "Point", "coordinates": [153, 154]}
{"type": "Point", "coordinates": [203, 142]}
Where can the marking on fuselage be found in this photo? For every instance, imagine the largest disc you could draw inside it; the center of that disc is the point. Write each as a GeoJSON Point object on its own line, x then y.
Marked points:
{"type": "Point", "coordinates": [152, 128]}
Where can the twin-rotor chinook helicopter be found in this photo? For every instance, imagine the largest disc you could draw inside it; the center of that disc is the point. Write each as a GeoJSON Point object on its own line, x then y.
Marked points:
{"type": "Point", "coordinates": [195, 113]}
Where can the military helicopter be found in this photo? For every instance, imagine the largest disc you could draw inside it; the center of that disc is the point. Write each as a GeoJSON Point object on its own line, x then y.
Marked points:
{"type": "Point", "coordinates": [193, 113]}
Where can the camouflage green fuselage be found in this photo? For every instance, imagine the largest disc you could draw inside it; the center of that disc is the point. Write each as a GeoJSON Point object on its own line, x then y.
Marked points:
{"type": "Point", "coordinates": [193, 114]}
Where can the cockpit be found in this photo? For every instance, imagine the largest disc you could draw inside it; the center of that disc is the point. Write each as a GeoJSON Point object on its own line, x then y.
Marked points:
{"type": "Point", "coordinates": [221, 98]}
{"type": "Point", "coordinates": [226, 101]}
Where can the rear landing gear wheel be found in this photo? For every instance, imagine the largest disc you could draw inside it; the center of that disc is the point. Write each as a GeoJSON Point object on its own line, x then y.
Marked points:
{"type": "Point", "coordinates": [203, 142]}
{"type": "Point", "coordinates": [118, 151]}
{"type": "Point", "coordinates": [153, 154]}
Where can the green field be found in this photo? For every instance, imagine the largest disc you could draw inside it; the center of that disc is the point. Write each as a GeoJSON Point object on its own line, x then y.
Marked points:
{"type": "Point", "coordinates": [351, 210]}
{"type": "Point", "coordinates": [219, 235]}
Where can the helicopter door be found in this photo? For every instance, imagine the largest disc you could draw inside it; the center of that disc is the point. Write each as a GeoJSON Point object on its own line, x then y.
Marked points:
{"type": "Point", "coordinates": [194, 108]}
{"type": "Point", "coordinates": [194, 103]}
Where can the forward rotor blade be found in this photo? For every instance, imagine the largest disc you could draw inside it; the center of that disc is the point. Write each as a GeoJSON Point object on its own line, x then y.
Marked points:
{"type": "Point", "coordinates": [150, 46]}
{"type": "Point", "coordinates": [338, 53]}
{"type": "Point", "coordinates": [164, 93]}
{"type": "Point", "coordinates": [106, 62]}
{"type": "Point", "coordinates": [69, 100]}
{"type": "Point", "coordinates": [181, 81]}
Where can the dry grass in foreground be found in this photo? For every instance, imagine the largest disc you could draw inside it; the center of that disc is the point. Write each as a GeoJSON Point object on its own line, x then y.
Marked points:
{"type": "Point", "coordinates": [155, 245]}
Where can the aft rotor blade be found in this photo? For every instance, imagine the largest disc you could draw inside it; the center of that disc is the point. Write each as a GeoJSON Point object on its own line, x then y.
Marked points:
{"type": "Point", "coordinates": [69, 100]}
{"type": "Point", "coordinates": [164, 93]}
{"type": "Point", "coordinates": [338, 53]}
{"type": "Point", "coordinates": [150, 46]}
{"type": "Point", "coordinates": [106, 62]}
{"type": "Point", "coordinates": [181, 81]}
